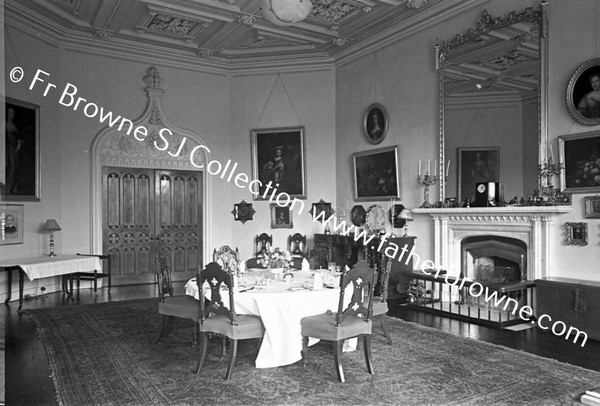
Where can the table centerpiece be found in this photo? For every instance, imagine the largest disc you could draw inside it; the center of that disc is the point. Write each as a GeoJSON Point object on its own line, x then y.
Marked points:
{"type": "Point", "coordinates": [276, 261]}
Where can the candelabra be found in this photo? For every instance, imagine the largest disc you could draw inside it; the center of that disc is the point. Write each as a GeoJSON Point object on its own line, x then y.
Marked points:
{"type": "Point", "coordinates": [426, 181]}
{"type": "Point", "coordinates": [340, 214]}
{"type": "Point", "coordinates": [548, 170]}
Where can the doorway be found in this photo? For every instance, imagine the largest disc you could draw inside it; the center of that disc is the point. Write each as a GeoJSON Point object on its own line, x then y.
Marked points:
{"type": "Point", "coordinates": [147, 211]}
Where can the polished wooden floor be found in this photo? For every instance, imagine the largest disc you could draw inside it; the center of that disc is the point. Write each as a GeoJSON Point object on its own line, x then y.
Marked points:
{"type": "Point", "coordinates": [28, 379]}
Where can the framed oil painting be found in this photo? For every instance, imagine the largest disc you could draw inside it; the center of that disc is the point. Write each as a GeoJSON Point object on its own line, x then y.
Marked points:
{"type": "Point", "coordinates": [375, 123]}
{"type": "Point", "coordinates": [22, 141]}
{"type": "Point", "coordinates": [592, 207]}
{"type": "Point", "coordinates": [376, 174]}
{"type": "Point", "coordinates": [577, 233]}
{"type": "Point", "coordinates": [583, 93]}
{"type": "Point", "coordinates": [278, 157]}
{"type": "Point", "coordinates": [281, 217]}
{"type": "Point", "coordinates": [11, 224]}
{"type": "Point", "coordinates": [321, 206]}
{"type": "Point", "coordinates": [243, 211]}
{"type": "Point", "coordinates": [579, 155]}
{"type": "Point", "coordinates": [477, 164]}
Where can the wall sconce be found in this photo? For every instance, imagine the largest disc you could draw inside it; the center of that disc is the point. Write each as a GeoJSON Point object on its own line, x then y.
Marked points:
{"type": "Point", "coordinates": [407, 215]}
{"type": "Point", "coordinates": [52, 226]}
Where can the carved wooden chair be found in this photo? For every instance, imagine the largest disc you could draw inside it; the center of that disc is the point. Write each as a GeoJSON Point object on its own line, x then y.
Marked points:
{"type": "Point", "coordinates": [170, 305]}
{"type": "Point", "coordinates": [297, 244]}
{"type": "Point", "coordinates": [219, 319]}
{"type": "Point", "coordinates": [318, 257]}
{"type": "Point", "coordinates": [380, 307]}
{"type": "Point", "coordinates": [227, 258]}
{"type": "Point", "coordinates": [353, 321]}
{"type": "Point", "coordinates": [263, 243]}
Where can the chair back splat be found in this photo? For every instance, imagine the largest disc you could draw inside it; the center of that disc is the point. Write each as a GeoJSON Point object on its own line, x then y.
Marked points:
{"type": "Point", "coordinates": [227, 258]}
{"type": "Point", "coordinates": [297, 244]}
{"type": "Point", "coordinates": [214, 275]}
{"type": "Point", "coordinates": [163, 276]}
{"type": "Point", "coordinates": [363, 279]}
{"type": "Point", "coordinates": [263, 243]}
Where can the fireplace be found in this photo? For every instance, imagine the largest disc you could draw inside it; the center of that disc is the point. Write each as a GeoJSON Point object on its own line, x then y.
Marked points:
{"type": "Point", "coordinates": [494, 259]}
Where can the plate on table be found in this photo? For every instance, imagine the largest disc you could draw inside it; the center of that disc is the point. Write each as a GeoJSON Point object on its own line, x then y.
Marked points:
{"type": "Point", "coordinates": [375, 220]}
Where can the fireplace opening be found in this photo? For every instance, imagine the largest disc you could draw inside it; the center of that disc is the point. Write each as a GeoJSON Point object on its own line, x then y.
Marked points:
{"type": "Point", "coordinates": [494, 259]}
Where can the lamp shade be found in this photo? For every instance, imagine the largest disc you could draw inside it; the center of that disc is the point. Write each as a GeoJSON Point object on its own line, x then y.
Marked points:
{"type": "Point", "coordinates": [51, 225]}
{"type": "Point", "coordinates": [406, 214]}
{"type": "Point", "coordinates": [286, 12]}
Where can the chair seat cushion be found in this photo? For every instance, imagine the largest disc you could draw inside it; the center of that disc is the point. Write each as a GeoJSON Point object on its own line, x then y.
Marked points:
{"type": "Point", "coordinates": [247, 326]}
{"type": "Point", "coordinates": [183, 306]}
{"type": "Point", "coordinates": [322, 326]}
{"type": "Point", "coordinates": [379, 306]}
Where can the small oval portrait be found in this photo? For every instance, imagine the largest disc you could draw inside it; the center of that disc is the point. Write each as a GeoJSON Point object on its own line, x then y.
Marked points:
{"type": "Point", "coordinates": [375, 123]}
{"type": "Point", "coordinates": [583, 93]}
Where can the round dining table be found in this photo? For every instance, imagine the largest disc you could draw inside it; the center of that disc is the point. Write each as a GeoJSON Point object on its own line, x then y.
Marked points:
{"type": "Point", "coordinates": [281, 305]}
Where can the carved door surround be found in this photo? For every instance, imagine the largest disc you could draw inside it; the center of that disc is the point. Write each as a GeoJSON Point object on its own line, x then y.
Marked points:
{"type": "Point", "coordinates": [111, 148]}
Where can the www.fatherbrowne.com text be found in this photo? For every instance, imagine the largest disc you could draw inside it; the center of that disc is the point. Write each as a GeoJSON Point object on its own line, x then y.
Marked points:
{"type": "Point", "coordinates": [475, 289]}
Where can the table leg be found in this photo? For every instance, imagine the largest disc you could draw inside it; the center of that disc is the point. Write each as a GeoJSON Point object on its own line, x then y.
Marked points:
{"type": "Point", "coordinates": [21, 285]}
{"type": "Point", "coordinates": [9, 281]}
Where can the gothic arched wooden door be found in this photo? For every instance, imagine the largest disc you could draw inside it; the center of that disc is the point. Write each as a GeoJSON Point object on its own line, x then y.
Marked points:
{"type": "Point", "coordinates": [150, 210]}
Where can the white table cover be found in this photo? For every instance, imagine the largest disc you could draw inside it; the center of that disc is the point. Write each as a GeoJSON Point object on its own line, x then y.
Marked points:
{"type": "Point", "coordinates": [281, 310]}
{"type": "Point", "coordinates": [45, 267]}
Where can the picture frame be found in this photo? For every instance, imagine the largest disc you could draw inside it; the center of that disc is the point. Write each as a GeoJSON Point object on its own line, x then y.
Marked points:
{"type": "Point", "coordinates": [278, 156]}
{"type": "Point", "coordinates": [358, 215]}
{"type": "Point", "coordinates": [476, 164]}
{"type": "Point", "coordinates": [585, 110]}
{"type": "Point", "coordinates": [321, 206]}
{"type": "Point", "coordinates": [395, 211]}
{"type": "Point", "coordinates": [375, 123]}
{"type": "Point", "coordinates": [592, 207]}
{"type": "Point", "coordinates": [579, 158]}
{"type": "Point", "coordinates": [577, 233]}
{"type": "Point", "coordinates": [11, 223]}
{"type": "Point", "coordinates": [22, 145]}
{"type": "Point", "coordinates": [243, 211]}
{"type": "Point", "coordinates": [281, 216]}
{"type": "Point", "coordinates": [376, 174]}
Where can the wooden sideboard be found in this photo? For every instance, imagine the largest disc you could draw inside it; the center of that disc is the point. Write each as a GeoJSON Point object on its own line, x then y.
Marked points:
{"type": "Point", "coordinates": [344, 250]}
{"type": "Point", "coordinates": [575, 302]}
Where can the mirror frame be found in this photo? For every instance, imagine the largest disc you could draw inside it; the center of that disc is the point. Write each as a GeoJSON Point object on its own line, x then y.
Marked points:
{"type": "Point", "coordinates": [484, 25]}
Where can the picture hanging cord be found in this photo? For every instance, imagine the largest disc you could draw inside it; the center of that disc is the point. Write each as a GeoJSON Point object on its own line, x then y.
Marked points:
{"type": "Point", "coordinates": [278, 79]}
{"type": "Point", "coordinates": [487, 130]}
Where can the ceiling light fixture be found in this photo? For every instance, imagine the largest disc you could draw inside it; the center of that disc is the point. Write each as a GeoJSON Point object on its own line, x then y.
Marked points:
{"type": "Point", "coordinates": [286, 12]}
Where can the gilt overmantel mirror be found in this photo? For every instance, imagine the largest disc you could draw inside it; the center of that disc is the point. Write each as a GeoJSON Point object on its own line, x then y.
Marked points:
{"type": "Point", "coordinates": [492, 97]}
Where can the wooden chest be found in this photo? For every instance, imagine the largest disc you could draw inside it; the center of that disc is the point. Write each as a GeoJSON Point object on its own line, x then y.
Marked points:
{"type": "Point", "coordinates": [575, 302]}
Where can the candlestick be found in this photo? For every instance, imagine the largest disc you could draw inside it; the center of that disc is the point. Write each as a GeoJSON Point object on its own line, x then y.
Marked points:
{"type": "Point", "coordinates": [428, 166]}
{"type": "Point", "coordinates": [551, 154]}
{"type": "Point", "coordinates": [426, 181]}
{"type": "Point", "coordinates": [419, 167]}
{"type": "Point", "coordinates": [435, 167]}
{"type": "Point", "coordinates": [448, 168]}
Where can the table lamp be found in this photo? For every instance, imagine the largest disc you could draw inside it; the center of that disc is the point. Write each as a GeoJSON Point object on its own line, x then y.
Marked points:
{"type": "Point", "coordinates": [52, 226]}
{"type": "Point", "coordinates": [407, 215]}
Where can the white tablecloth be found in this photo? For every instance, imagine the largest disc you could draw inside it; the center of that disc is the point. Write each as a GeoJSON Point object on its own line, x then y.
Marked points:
{"type": "Point", "coordinates": [45, 267]}
{"type": "Point", "coordinates": [281, 310]}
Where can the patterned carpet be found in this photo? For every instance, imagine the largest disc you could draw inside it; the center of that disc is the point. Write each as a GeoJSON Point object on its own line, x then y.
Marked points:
{"type": "Point", "coordinates": [101, 354]}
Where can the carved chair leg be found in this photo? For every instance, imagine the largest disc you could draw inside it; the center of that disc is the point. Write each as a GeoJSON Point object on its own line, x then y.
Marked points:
{"type": "Point", "coordinates": [367, 348]}
{"type": "Point", "coordinates": [195, 333]}
{"type": "Point", "coordinates": [304, 351]}
{"type": "Point", "coordinates": [386, 331]}
{"type": "Point", "coordinates": [202, 351]}
{"type": "Point", "coordinates": [337, 357]}
{"type": "Point", "coordinates": [232, 354]}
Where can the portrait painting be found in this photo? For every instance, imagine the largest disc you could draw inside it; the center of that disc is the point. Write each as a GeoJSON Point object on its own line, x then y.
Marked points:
{"type": "Point", "coordinates": [281, 217]}
{"type": "Point", "coordinates": [321, 207]}
{"type": "Point", "coordinates": [278, 157]}
{"type": "Point", "coordinates": [579, 156]}
{"type": "Point", "coordinates": [476, 164]}
{"type": "Point", "coordinates": [22, 176]}
{"type": "Point", "coordinates": [576, 233]}
{"type": "Point", "coordinates": [11, 224]}
{"type": "Point", "coordinates": [376, 174]}
{"type": "Point", "coordinates": [375, 123]}
{"type": "Point", "coordinates": [583, 93]}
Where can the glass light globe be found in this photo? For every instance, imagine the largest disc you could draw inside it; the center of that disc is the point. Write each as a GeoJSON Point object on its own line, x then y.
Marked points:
{"type": "Point", "coordinates": [286, 12]}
